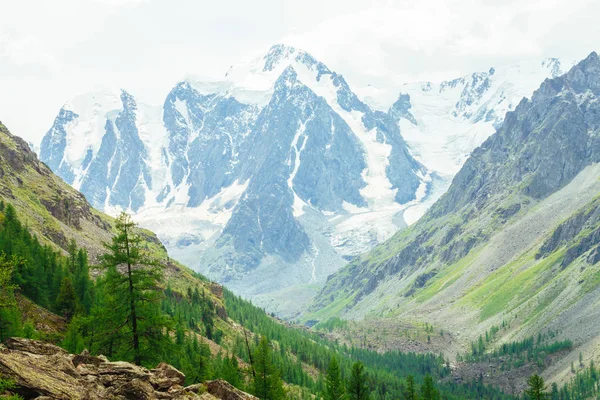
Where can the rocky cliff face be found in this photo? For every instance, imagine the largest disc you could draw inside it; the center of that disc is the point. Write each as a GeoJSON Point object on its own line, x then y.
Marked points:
{"type": "Point", "coordinates": [540, 147]}
{"type": "Point", "coordinates": [43, 371]}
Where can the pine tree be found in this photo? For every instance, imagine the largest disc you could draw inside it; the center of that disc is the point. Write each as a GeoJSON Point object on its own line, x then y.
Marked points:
{"type": "Point", "coordinates": [7, 267]}
{"type": "Point", "coordinates": [411, 390]}
{"type": "Point", "coordinates": [267, 383]}
{"type": "Point", "coordinates": [73, 341]}
{"type": "Point", "coordinates": [555, 394]}
{"type": "Point", "coordinates": [333, 382]}
{"type": "Point", "coordinates": [536, 388]}
{"type": "Point", "coordinates": [66, 302]}
{"type": "Point", "coordinates": [428, 390]}
{"type": "Point", "coordinates": [231, 371]}
{"type": "Point", "coordinates": [135, 294]}
{"type": "Point", "coordinates": [357, 386]}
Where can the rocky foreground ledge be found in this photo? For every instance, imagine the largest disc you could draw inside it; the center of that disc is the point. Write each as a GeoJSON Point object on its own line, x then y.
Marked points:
{"type": "Point", "coordinates": [43, 371]}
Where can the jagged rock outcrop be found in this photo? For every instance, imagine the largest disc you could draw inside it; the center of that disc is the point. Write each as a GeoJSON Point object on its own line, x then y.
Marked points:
{"type": "Point", "coordinates": [44, 371]}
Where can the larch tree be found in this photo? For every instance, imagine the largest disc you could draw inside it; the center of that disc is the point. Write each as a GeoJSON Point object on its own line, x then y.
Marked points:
{"type": "Point", "coordinates": [66, 301]}
{"type": "Point", "coordinates": [536, 389]}
{"type": "Point", "coordinates": [267, 383]}
{"type": "Point", "coordinates": [428, 390]}
{"type": "Point", "coordinates": [7, 288]}
{"type": "Point", "coordinates": [357, 387]}
{"type": "Point", "coordinates": [410, 393]}
{"type": "Point", "coordinates": [132, 282]}
{"type": "Point", "coordinates": [334, 389]}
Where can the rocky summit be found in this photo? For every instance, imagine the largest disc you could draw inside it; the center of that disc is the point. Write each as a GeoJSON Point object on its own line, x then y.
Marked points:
{"type": "Point", "coordinates": [43, 371]}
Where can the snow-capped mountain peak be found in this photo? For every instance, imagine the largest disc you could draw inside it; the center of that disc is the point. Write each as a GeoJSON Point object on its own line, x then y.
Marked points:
{"type": "Point", "coordinates": [443, 122]}
{"type": "Point", "coordinates": [276, 174]}
{"type": "Point", "coordinates": [253, 82]}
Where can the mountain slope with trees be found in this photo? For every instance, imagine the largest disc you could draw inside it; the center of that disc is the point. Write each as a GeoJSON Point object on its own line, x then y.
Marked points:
{"type": "Point", "coordinates": [101, 284]}
{"type": "Point", "coordinates": [513, 242]}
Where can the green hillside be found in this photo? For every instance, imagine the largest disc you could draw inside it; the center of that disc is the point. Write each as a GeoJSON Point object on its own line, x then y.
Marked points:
{"type": "Point", "coordinates": [513, 242]}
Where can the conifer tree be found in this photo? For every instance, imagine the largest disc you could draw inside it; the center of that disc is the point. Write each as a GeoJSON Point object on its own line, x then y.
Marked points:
{"type": "Point", "coordinates": [411, 389]}
{"type": "Point", "coordinates": [333, 382]}
{"type": "Point", "coordinates": [357, 386]}
{"type": "Point", "coordinates": [73, 341]}
{"type": "Point", "coordinates": [7, 298]}
{"type": "Point", "coordinates": [428, 390]}
{"type": "Point", "coordinates": [267, 383]}
{"type": "Point", "coordinates": [72, 250]}
{"type": "Point", "coordinates": [231, 371]}
{"type": "Point", "coordinates": [78, 260]}
{"type": "Point", "coordinates": [536, 388]}
{"type": "Point", "coordinates": [555, 395]}
{"type": "Point", "coordinates": [66, 302]}
{"type": "Point", "coordinates": [132, 280]}
{"type": "Point", "coordinates": [7, 266]}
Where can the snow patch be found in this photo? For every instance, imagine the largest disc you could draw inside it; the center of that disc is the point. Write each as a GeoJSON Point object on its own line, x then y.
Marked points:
{"type": "Point", "coordinates": [205, 221]}
{"type": "Point", "coordinates": [87, 130]}
{"type": "Point", "coordinates": [298, 203]}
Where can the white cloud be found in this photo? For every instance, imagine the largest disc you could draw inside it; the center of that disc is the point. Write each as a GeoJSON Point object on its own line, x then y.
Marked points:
{"type": "Point", "coordinates": [120, 3]}
{"type": "Point", "coordinates": [53, 50]}
{"type": "Point", "coordinates": [389, 43]}
{"type": "Point", "coordinates": [24, 51]}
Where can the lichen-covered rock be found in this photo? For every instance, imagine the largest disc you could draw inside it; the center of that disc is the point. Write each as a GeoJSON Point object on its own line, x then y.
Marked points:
{"type": "Point", "coordinates": [44, 371]}
{"type": "Point", "coordinates": [220, 389]}
{"type": "Point", "coordinates": [38, 373]}
{"type": "Point", "coordinates": [33, 346]}
{"type": "Point", "coordinates": [135, 389]}
{"type": "Point", "coordinates": [165, 376]}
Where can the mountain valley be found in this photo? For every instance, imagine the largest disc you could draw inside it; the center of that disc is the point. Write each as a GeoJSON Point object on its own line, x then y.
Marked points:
{"type": "Point", "coordinates": [511, 244]}
{"type": "Point", "coordinates": [273, 178]}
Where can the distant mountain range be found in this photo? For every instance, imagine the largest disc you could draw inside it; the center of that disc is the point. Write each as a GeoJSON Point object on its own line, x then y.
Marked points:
{"type": "Point", "coordinates": [272, 178]}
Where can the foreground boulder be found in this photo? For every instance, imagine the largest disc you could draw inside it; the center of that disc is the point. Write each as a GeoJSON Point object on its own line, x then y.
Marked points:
{"type": "Point", "coordinates": [44, 371]}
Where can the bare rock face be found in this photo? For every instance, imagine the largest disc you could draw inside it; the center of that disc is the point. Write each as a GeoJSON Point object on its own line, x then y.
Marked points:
{"type": "Point", "coordinates": [34, 347]}
{"type": "Point", "coordinates": [165, 376]}
{"type": "Point", "coordinates": [44, 371]}
{"type": "Point", "coordinates": [223, 390]}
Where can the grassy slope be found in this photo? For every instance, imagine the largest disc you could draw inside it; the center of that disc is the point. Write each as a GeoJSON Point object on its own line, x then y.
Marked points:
{"type": "Point", "coordinates": [473, 260]}
{"type": "Point", "coordinates": [499, 280]}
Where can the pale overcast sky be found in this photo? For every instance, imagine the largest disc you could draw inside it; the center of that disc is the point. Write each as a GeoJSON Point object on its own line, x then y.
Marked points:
{"type": "Point", "coordinates": [52, 50]}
